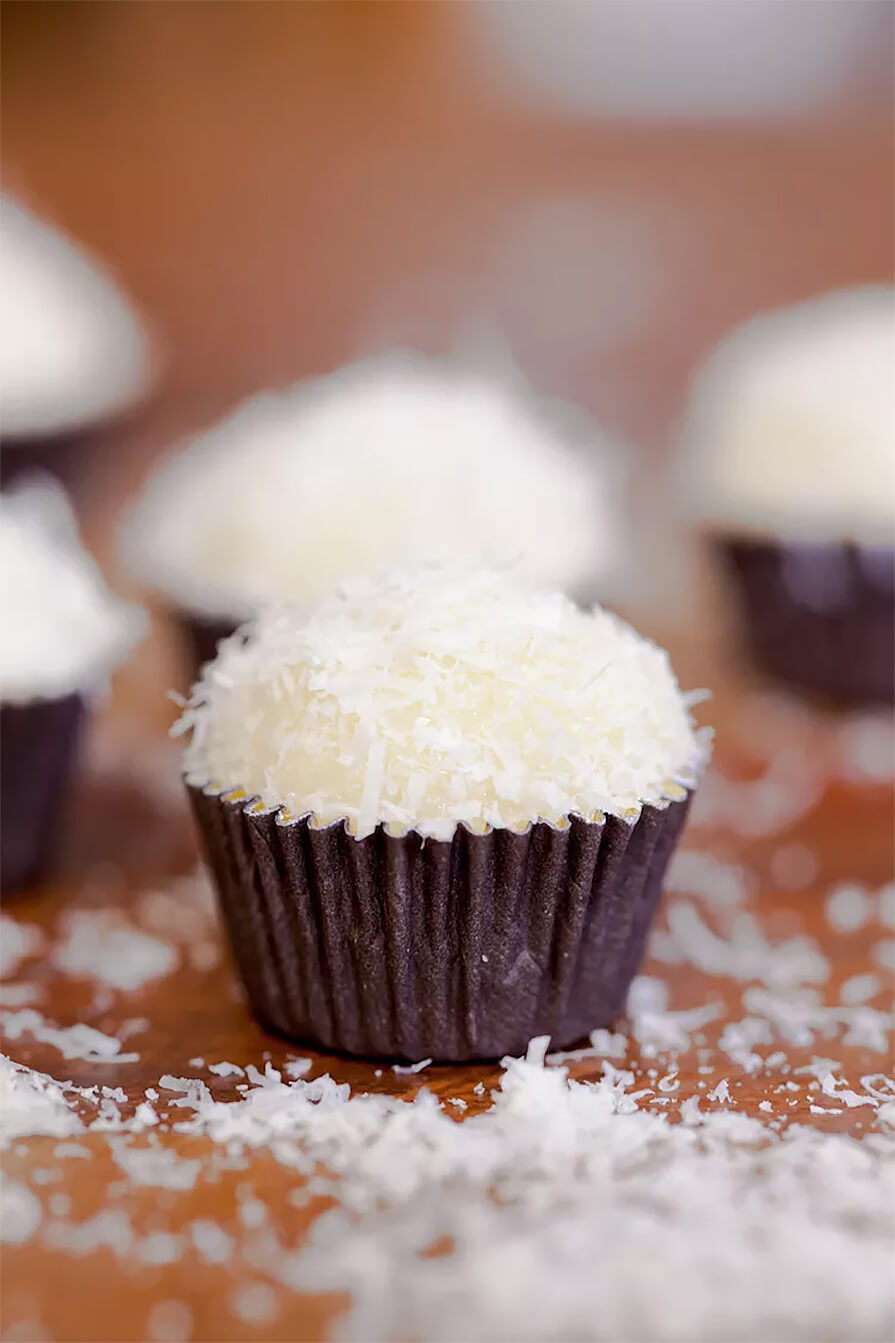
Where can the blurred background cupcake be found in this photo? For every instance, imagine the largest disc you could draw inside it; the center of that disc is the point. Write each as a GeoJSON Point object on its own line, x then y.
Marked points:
{"type": "Point", "coordinates": [790, 469]}
{"type": "Point", "coordinates": [73, 352]}
{"type": "Point", "coordinates": [69, 634]}
{"type": "Point", "coordinates": [389, 461]}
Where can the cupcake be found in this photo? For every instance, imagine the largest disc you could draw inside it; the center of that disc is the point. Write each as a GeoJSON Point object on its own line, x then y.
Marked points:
{"type": "Point", "coordinates": [72, 352]}
{"type": "Point", "coordinates": [65, 633]}
{"type": "Point", "coordinates": [391, 461]}
{"type": "Point", "coordinates": [792, 472]}
{"type": "Point", "coordinates": [438, 810]}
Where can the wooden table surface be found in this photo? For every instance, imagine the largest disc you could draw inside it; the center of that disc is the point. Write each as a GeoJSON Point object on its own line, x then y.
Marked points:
{"type": "Point", "coordinates": [133, 840]}
{"type": "Point", "coordinates": [299, 197]}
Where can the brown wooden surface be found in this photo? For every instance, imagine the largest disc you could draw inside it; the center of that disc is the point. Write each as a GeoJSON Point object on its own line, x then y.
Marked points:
{"type": "Point", "coordinates": [296, 184]}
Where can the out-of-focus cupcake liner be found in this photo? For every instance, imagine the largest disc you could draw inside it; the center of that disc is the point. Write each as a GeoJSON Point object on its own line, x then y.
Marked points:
{"type": "Point", "coordinates": [60, 455]}
{"type": "Point", "coordinates": [411, 948]}
{"type": "Point", "coordinates": [200, 636]}
{"type": "Point", "coordinates": [819, 617]}
{"type": "Point", "coordinates": [38, 742]}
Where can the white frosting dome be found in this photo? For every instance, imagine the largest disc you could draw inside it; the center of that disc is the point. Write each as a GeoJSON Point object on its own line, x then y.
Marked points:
{"type": "Point", "coordinates": [64, 629]}
{"type": "Point", "coordinates": [71, 349]}
{"type": "Point", "coordinates": [391, 461]}
{"type": "Point", "coordinates": [792, 429]}
{"type": "Point", "coordinates": [432, 697]}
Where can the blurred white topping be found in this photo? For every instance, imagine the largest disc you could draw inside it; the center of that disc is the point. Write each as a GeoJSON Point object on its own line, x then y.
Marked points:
{"type": "Point", "coordinates": [430, 698]}
{"type": "Point", "coordinates": [389, 461]}
{"type": "Point", "coordinates": [792, 427]}
{"type": "Point", "coordinates": [71, 350]}
{"type": "Point", "coordinates": [63, 630]}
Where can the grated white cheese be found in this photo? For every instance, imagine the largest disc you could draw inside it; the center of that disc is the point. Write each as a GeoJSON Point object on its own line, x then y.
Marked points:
{"type": "Point", "coordinates": [71, 350]}
{"type": "Point", "coordinates": [429, 698]}
{"type": "Point", "coordinates": [793, 423]}
{"type": "Point", "coordinates": [388, 462]}
{"type": "Point", "coordinates": [69, 630]}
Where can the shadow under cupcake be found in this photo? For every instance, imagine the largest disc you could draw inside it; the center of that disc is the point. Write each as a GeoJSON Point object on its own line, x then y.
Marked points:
{"type": "Point", "coordinates": [438, 812]}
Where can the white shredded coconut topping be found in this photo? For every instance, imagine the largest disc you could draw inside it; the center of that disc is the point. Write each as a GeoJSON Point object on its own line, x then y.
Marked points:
{"type": "Point", "coordinates": [71, 349]}
{"type": "Point", "coordinates": [69, 631]}
{"type": "Point", "coordinates": [432, 698]}
{"type": "Point", "coordinates": [793, 423]}
{"type": "Point", "coordinates": [387, 462]}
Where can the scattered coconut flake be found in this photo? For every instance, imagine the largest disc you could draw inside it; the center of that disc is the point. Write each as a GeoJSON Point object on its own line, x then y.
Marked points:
{"type": "Point", "coordinates": [158, 1167]}
{"type": "Point", "coordinates": [211, 1242]}
{"type": "Point", "coordinates": [847, 907]}
{"type": "Point", "coordinates": [883, 953]}
{"type": "Point", "coordinates": [793, 867]}
{"type": "Point", "coordinates": [746, 954]}
{"type": "Point", "coordinates": [702, 874]}
{"type": "Point", "coordinates": [255, 1304]}
{"type": "Point", "coordinates": [860, 988]}
{"type": "Point", "coordinates": [886, 899]}
{"type": "Point", "coordinates": [297, 1067]}
{"type": "Point", "coordinates": [104, 945]}
{"type": "Point", "coordinates": [169, 1322]}
{"type": "Point", "coordinates": [228, 1069]}
{"type": "Point", "coordinates": [20, 1212]}
{"type": "Point", "coordinates": [20, 995]}
{"type": "Point", "coordinates": [18, 941]}
{"type": "Point", "coordinates": [73, 1042]}
{"type": "Point", "coordinates": [405, 1069]}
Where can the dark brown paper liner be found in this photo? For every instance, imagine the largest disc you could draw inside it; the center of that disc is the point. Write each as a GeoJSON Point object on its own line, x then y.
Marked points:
{"type": "Point", "coordinates": [37, 750]}
{"type": "Point", "coordinates": [200, 637]}
{"type": "Point", "coordinates": [819, 617]}
{"type": "Point", "coordinates": [404, 948]}
{"type": "Point", "coordinates": [62, 455]}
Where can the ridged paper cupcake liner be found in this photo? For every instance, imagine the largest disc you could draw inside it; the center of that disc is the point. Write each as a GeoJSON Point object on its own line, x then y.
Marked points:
{"type": "Point", "coordinates": [411, 948]}
{"type": "Point", "coordinates": [38, 741]}
{"type": "Point", "coordinates": [820, 617]}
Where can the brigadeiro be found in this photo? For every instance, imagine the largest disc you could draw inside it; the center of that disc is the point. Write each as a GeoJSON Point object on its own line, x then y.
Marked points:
{"type": "Point", "coordinates": [438, 810]}
{"type": "Point", "coordinates": [65, 633]}
{"type": "Point", "coordinates": [393, 460]}
{"type": "Point", "coordinates": [791, 470]}
{"type": "Point", "coordinates": [73, 352]}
